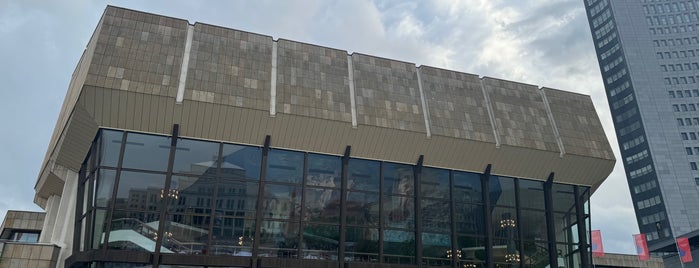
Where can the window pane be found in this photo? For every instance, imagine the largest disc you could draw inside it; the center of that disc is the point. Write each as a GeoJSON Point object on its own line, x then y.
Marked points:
{"type": "Point", "coordinates": [139, 191]}
{"type": "Point", "coordinates": [236, 198]}
{"type": "Point", "coordinates": [282, 202]}
{"type": "Point", "coordinates": [241, 162]}
{"type": "Point", "coordinates": [148, 152]}
{"type": "Point", "coordinates": [320, 242]}
{"type": "Point", "coordinates": [436, 250]}
{"type": "Point", "coordinates": [502, 191]}
{"type": "Point", "coordinates": [531, 194]}
{"type": "Point", "coordinates": [110, 145]}
{"type": "Point", "coordinates": [191, 194]}
{"type": "Point", "coordinates": [100, 224]}
{"type": "Point", "coordinates": [563, 198]}
{"type": "Point", "coordinates": [398, 179]}
{"type": "Point", "coordinates": [536, 254]}
{"type": "Point", "coordinates": [279, 239]}
{"type": "Point", "coordinates": [533, 225]}
{"type": "Point", "coordinates": [399, 211]}
{"type": "Point", "coordinates": [232, 236]}
{"type": "Point", "coordinates": [434, 183]}
{"type": "Point", "coordinates": [564, 227]}
{"type": "Point", "coordinates": [324, 170]}
{"type": "Point", "coordinates": [135, 231]}
{"type": "Point", "coordinates": [362, 244]}
{"type": "Point", "coordinates": [467, 187]}
{"type": "Point", "coordinates": [322, 205]}
{"type": "Point", "coordinates": [399, 246]}
{"type": "Point", "coordinates": [186, 233]}
{"type": "Point", "coordinates": [469, 219]}
{"type": "Point", "coordinates": [284, 166]}
{"type": "Point", "coordinates": [504, 225]}
{"type": "Point", "coordinates": [364, 175]}
{"type": "Point", "coordinates": [435, 216]}
{"type": "Point", "coordinates": [196, 157]}
{"type": "Point", "coordinates": [362, 208]}
{"type": "Point", "coordinates": [472, 250]}
{"type": "Point", "coordinates": [105, 187]}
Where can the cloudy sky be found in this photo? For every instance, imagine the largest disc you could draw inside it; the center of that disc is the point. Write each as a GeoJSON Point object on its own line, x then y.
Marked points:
{"type": "Point", "coordinates": [539, 42]}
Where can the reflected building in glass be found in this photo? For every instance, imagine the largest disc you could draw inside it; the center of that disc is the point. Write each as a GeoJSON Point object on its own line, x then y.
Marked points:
{"type": "Point", "coordinates": [191, 145]}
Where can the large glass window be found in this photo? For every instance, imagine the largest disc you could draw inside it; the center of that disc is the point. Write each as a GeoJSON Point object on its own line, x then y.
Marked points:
{"type": "Point", "coordinates": [139, 191]}
{"type": "Point", "coordinates": [105, 187]}
{"type": "Point", "coordinates": [467, 187]}
{"type": "Point", "coordinates": [146, 152]}
{"type": "Point", "coordinates": [284, 166]}
{"type": "Point", "coordinates": [282, 202]}
{"type": "Point", "coordinates": [196, 157]}
{"type": "Point", "coordinates": [241, 162]}
{"type": "Point", "coordinates": [362, 244]}
{"type": "Point", "coordinates": [364, 175]}
{"type": "Point", "coordinates": [110, 146]}
{"type": "Point", "coordinates": [502, 191]}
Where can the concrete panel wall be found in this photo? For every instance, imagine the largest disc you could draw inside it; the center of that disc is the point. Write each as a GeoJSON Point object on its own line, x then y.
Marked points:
{"type": "Point", "coordinates": [21, 255]}
{"type": "Point", "coordinates": [313, 81]}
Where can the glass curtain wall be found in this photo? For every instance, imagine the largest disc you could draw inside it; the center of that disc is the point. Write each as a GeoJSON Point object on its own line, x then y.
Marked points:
{"type": "Point", "coordinates": [148, 193]}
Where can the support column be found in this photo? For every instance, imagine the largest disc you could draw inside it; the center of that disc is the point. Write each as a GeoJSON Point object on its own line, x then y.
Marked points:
{"type": "Point", "coordinates": [551, 228]}
{"type": "Point", "coordinates": [50, 220]}
{"type": "Point", "coordinates": [63, 228]}
{"type": "Point", "coordinates": [488, 221]}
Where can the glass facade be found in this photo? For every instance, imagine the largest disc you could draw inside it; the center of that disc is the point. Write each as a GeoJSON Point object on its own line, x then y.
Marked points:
{"type": "Point", "coordinates": [163, 196]}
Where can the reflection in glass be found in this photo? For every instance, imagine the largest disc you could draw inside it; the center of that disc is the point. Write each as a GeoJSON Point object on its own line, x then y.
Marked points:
{"type": "Point", "coordinates": [505, 234]}
{"type": "Point", "coordinates": [531, 194]}
{"type": "Point", "coordinates": [190, 194]}
{"type": "Point", "coordinates": [324, 171]}
{"type": "Point", "coordinates": [139, 191]}
{"type": "Point", "coordinates": [284, 166]}
{"type": "Point", "coordinates": [436, 250]}
{"type": "Point", "coordinates": [536, 254]}
{"type": "Point", "coordinates": [435, 216]}
{"type": "Point", "coordinates": [125, 265]}
{"type": "Point", "coordinates": [322, 205]}
{"type": "Point", "coordinates": [533, 224]}
{"type": "Point", "coordinates": [241, 162]}
{"type": "Point", "coordinates": [469, 219]}
{"type": "Point", "coordinates": [362, 208]}
{"type": "Point", "coordinates": [186, 233]}
{"type": "Point", "coordinates": [232, 236]}
{"type": "Point", "coordinates": [364, 175]}
{"type": "Point", "coordinates": [99, 224]}
{"type": "Point", "coordinates": [148, 152]}
{"type": "Point", "coordinates": [434, 183]}
{"type": "Point", "coordinates": [135, 231]}
{"type": "Point", "coordinates": [399, 212]}
{"type": "Point", "coordinates": [362, 244]}
{"type": "Point", "coordinates": [472, 249]}
{"type": "Point", "coordinates": [196, 157]}
{"type": "Point", "coordinates": [502, 191]}
{"type": "Point", "coordinates": [467, 187]}
{"type": "Point", "coordinates": [279, 239]}
{"type": "Point", "coordinates": [399, 246]}
{"type": "Point", "coordinates": [281, 202]}
{"type": "Point", "coordinates": [110, 145]}
{"type": "Point", "coordinates": [398, 179]}
{"type": "Point", "coordinates": [105, 186]}
{"type": "Point", "coordinates": [320, 242]}
{"type": "Point", "coordinates": [564, 227]}
{"type": "Point", "coordinates": [236, 198]}
{"type": "Point", "coordinates": [563, 198]}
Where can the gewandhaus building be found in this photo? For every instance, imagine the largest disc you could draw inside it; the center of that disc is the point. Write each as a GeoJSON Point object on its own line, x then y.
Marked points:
{"type": "Point", "coordinates": [193, 145]}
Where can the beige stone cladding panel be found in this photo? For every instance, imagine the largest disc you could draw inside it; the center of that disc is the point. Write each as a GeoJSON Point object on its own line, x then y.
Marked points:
{"type": "Point", "coordinates": [457, 107]}
{"type": "Point", "coordinates": [312, 81]}
{"type": "Point", "coordinates": [521, 118]}
{"type": "Point", "coordinates": [578, 124]}
{"type": "Point", "coordinates": [138, 52]}
{"type": "Point", "coordinates": [20, 255]}
{"type": "Point", "coordinates": [24, 220]}
{"type": "Point", "coordinates": [387, 93]}
{"type": "Point", "coordinates": [229, 67]}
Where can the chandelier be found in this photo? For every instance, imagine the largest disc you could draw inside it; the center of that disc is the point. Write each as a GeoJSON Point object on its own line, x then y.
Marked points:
{"type": "Point", "coordinates": [505, 223]}
{"type": "Point", "coordinates": [512, 257]}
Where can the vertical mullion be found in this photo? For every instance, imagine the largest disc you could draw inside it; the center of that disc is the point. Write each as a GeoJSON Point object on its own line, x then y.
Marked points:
{"type": "Point", "coordinates": [302, 223]}
{"type": "Point", "coordinates": [381, 212]}
{"type": "Point", "coordinates": [166, 197]}
{"type": "Point", "coordinates": [551, 229]}
{"type": "Point", "coordinates": [110, 211]}
{"type": "Point", "coordinates": [343, 205]}
{"type": "Point", "coordinates": [91, 209]}
{"type": "Point", "coordinates": [485, 187]}
{"type": "Point", "coordinates": [260, 197]}
{"type": "Point", "coordinates": [77, 230]}
{"type": "Point", "coordinates": [452, 204]}
{"type": "Point", "coordinates": [418, 210]}
{"type": "Point", "coordinates": [582, 229]}
{"type": "Point", "coordinates": [520, 236]}
{"type": "Point", "coordinates": [212, 213]}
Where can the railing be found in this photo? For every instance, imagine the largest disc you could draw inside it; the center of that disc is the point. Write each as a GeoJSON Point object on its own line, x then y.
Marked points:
{"type": "Point", "coordinates": [151, 233]}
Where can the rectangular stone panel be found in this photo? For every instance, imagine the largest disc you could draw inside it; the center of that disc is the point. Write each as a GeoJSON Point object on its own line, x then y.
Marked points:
{"type": "Point", "coordinates": [387, 93]}
{"type": "Point", "coordinates": [520, 115]}
{"type": "Point", "coordinates": [138, 52]}
{"type": "Point", "coordinates": [312, 81]}
{"type": "Point", "coordinates": [456, 104]}
{"type": "Point", "coordinates": [578, 125]}
{"type": "Point", "coordinates": [229, 67]}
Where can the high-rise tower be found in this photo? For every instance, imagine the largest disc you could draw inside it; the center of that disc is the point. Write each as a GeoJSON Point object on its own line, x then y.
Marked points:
{"type": "Point", "coordinates": [648, 52]}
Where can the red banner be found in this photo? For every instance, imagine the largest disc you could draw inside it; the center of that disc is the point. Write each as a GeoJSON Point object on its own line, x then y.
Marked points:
{"type": "Point", "coordinates": [685, 252]}
{"type": "Point", "coordinates": [597, 248]}
{"type": "Point", "coordinates": [641, 247]}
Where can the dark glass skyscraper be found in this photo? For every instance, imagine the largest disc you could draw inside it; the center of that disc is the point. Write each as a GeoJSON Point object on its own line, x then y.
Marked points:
{"type": "Point", "coordinates": [648, 52]}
